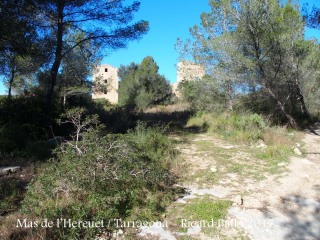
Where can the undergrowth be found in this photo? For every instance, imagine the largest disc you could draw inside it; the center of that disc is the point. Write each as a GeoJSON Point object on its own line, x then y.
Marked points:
{"type": "Point", "coordinates": [204, 212]}
{"type": "Point", "coordinates": [103, 177]}
{"type": "Point", "coordinates": [206, 209]}
{"type": "Point", "coordinates": [248, 129]}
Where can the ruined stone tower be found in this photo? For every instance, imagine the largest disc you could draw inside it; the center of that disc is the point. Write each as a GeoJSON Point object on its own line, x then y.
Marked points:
{"type": "Point", "coordinates": [187, 71]}
{"type": "Point", "coordinates": [105, 83]}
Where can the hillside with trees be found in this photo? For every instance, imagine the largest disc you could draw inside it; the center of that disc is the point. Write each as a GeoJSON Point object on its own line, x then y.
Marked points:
{"type": "Point", "coordinates": [255, 52]}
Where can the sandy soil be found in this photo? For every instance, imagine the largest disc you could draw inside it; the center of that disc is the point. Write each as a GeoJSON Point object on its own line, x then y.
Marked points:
{"type": "Point", "coordinates": [281, 207]}
{"type": "Point", "coordinates": [290, 204]}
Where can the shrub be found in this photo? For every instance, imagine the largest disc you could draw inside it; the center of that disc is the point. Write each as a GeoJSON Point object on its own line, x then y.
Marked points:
{"type": "Point", "coordinates": [13, 137]}
{"type": "Point", "coordinates": [203, 95]}
{"type": "Point", "coordinates": [103, 177]}
{"type": "Point", "coordinates": [246, 128]}
{"type": "Point", "coordinates": [117, 119]}
{"type": "Point", "coordinates": [249, 128]}
{"type": "Point", "coordinates": [23, 121]}
{"type": "Point", "coordinates": [243, 127]}
{"type": "Point", "coordinates": [11, 195]}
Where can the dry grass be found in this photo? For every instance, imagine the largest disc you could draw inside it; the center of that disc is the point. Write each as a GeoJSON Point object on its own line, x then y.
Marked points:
{"type": "Point", "coordinates": [281, 136]}
{"type": "Point", "coordinates": [9, 229]}
{"type": "Point", "coordinates": [178, 107]}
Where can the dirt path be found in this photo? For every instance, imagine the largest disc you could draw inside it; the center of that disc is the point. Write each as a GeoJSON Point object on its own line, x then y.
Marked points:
{"type": "Point", "coordinates": [265, 204]}
{"type": "Point", "coordinates": [290, 204]}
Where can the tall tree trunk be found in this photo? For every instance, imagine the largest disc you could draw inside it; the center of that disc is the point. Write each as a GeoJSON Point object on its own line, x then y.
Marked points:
{"type": "Point", "coordinates": [293, 123]}
{"type": "Point", "coordinates": [11, 83]}
{"type": "Point", "coordinates": [52, 78]}
{"type": "Point", "coordinates": [64, 99]}
{"type": "Point", "coordinates": [303, 107]}
{"type": "Point", "coordinates": [230, 93]}
{"type": "Point", "coordinates": [12, 75]}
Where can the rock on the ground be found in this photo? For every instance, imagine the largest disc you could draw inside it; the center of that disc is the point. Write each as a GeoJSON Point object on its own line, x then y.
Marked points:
{"type": "Point", "coordinates": [281, 164]}
{"type": "Point", "coordinates": [213, 168]}
{"type": "Point", "coordinates": [228, 147]}
{"type": "Point", "coordinates": [194, 230]}
{"type": "Point", "coordinates": [156, 229]}
{"type": "Point", "coordinates": [297, 151]}
{"type": "Point", "coordinates": [261, 144]}
{"type": "Point", "coordinates": [8, 170]}
{"type": "Point", "coordinates": [238, 200]}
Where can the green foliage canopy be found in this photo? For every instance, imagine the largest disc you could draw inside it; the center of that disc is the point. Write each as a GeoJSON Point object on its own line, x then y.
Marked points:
{"type": "Point", "coordinates": [104, 24]}
{"type": "Point", "coordinates": [258, 46]}
{"type": "Point", "coordinates": [141, 85]}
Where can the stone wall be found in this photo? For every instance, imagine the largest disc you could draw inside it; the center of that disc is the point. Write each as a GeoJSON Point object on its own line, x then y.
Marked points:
{"type": "Point", "coordinates": [105, 83]}
{"type": "Point", "coordinates": [189, 71]}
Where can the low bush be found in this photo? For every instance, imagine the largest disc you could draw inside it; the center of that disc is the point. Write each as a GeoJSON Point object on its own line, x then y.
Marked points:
{"type": "Point", "coordinates": [280, 143]}
{"type": "Point", "coordinates": [243, 127]}
{"type": "Point", "coordinates": [10, 196]}
{"type": "Point", "coordinates": [276, 143]}
{"type": "Point", "coordinates": [24, 122]}
{"type": "Point", "coordinates": [13, 137]}
{"type": "Point", "coordinates": [203, 95]}
{"type": "Point", "coordinates": [103, 177]}
{"type": "Point", "coordinates": [117, 119]}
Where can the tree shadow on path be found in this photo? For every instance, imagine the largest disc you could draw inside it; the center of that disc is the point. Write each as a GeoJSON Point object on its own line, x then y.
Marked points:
{"type": "Point", "coordinates": [304, 217]}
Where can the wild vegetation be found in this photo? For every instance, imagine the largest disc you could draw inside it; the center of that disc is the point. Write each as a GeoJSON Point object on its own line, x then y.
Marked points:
{"type": "Point", "coordinates": [103, 177]}
{"type": "Point", "coordinates": [62, 36]}
{"type": "Point", "coordinates": [251, 129]}
{"type": "Point", "coordinates": [256, 50]}
{"type": "Point", "coordinates": [141, 85]}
